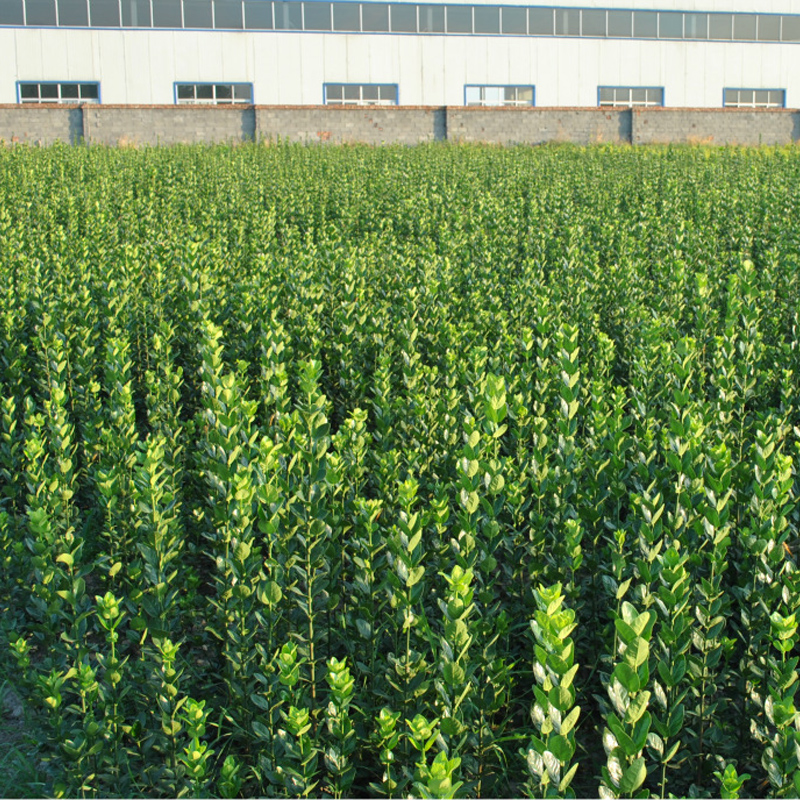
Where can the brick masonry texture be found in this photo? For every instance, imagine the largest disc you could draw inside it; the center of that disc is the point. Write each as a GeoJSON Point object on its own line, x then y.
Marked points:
{"type": "Point", "coordinates": [154, 125]}
{"type": "Point", "coordinates": [338, 124]}
{"type": "Point", "coordinates": [41, 124]}
{"type": "Point", "coordinates": [716, 126]}
{"type": "Point", "coordinates": [538, 125]}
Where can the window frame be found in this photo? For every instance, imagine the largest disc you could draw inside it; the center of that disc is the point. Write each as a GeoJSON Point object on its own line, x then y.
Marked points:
{"type": "Point", "coordinates": [214, 101]}
{"type": "Point", "coordinates": [60, 101]}
{"type": "Point", "coordinates": [360, 103]}
{"type": "Point", "coordinates": [504, 87]}
{"type": "Point", "coordinates": [631, 103]}
{"type": "Point", "coordinates": [752, 105]}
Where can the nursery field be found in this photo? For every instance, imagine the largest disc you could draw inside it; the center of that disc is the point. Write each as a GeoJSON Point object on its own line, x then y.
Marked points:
{"type": "Point", "coordinates": [433, 472]}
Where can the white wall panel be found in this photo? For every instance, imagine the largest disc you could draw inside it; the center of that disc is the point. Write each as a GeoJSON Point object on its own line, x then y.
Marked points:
{"type": "Point", "coordinates": [141, 66]}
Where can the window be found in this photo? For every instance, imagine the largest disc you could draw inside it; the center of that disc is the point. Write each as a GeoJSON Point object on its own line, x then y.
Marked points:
{"type": "Point", "coordinates": [257, 15]}
{"type": "Point", "coordinates": [629, 96]}
{"type": "Point", "coordinates": [754, 98]}
{"type": "Point", "coordinates": [487, 19]}
{"type": "Point", "coordinates": [459, 19]}
{"type": "Point", "coordinates": [317, 16]}
{"type": "Point", "coordinates": [374, 17]}
{"type": "Point", "coordinates": [769, 28]}
{"type": "Point", "coordinates": [198, 14]}
{"type": "Point", "coordinates": [167, 14]}
{"type": "Point", "coordinates": [515, 20]}
{"type": "Point", "coordinates": [136, 13]}
{"type": "Point", "coordinates": [645, 24]}
{"type": "Point", "coordinates": [620, 23]}
{"type": "Point", "coordinates": [40, 12]}
{"type": "Point", "coordinates": [11, 13]}
{"type": "Point", "coordinates": [593, 22]}
{"type": "Point", "coordinates": [104, 13]}
{"type": "Point", "coordinates": [568, 22]}
{"type": "Point", "coordinates": [498, 95]}
{"type": "Point", "coordinates": [720, 26]}
{"type": "Point", "coordinates": [73, 13]}
{"type": "Point", "coordinates": [228, 14]}
{"type": "Point", "coordinates": [288, 15]}
{"type": "Point", "coordinates": [54, 92]}
{"type": "Point", "coordinates": [360, 94]}
{"type": "Point", "coordinates": [346, 17]}
{"type": "Point", "coordinates": [220, 94]}
{"type": "Point", "coordinates": [670, 25]}
{"type": "Point", "coordinates": [404, 17]}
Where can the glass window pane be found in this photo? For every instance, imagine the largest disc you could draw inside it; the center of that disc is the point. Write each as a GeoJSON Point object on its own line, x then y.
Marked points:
{"type": "Point", "coordinates": [790, 29]}
{"type": "Point", "coordinates": [606, 94]}
{"type": "Point", "coordinates": [731, 97]}
{"type": "Point", "coordinates": [541, 21]}
{"type": "Point", "coordinates": [204, 91]}
{"type": "Point", "coordinates": [40, 12]}
{"type": "Point", "coordinates": [744, 27]}
{"type": "Point", "coordinates": [11, 12]}
{"type": "Point", "coordinates": [69, 91]}
{"type": "Point", "coordinates": [185, 91]}
{"type": "Point", "coordinates": [762, 97]}
{"type": "Point", "coordinates": [487, 19]}
{"type": "Point", "coordinates": [29, 91]}
{"type": "Point", "coordinates": [333, 91]}
{"type": "Point", "coordinates": [389, 93]}
{"type": "Point", "coordinates": [374, 17]}
{"type": "Point", "coordinates": [638, 95]}
{"type": "Point", "coordinates": [769, 27]}
{"type": "Point", "coordinates": [224, 91]}
{"type": "Point", "coordinates": [317, 17]}
{"type": "Point", "coordinates": [431, 19]}
{"type": "Point", "coordinates": [136, 13]}
{"type": "Point", "coordinates": [515, 20]}
{"type": "Point", "coordinates": [655, 96]}
{"type": "Point", "coordinates": [593, 22]}
{"type": "Point", "coordinates": [459, 19]}
{"type": "Point", "coordinates": [346, 17]}
{"type": "Point", "coordinates": [472, 95]}
{"type": "Point", "coordinates": [670, 25]}
{"type": "Point", "coordinates": [645, 24]}
{"type": "Point", "coordinates": [104, 13]}
{"type": "Point", "coordinates": [568, 22]}
{"type": "Point", "coordinates": [720, 26]}
{"type": "Point", "coordinates": [509, 93]}
{"type": "Point", "coordinates": [404, 17]}
{"type": "Point", "coordinates": [73, 13]}
{"type": "Point", "coordinates": [352, 92]}
{"type": "Point", "coordinates": [48, 91]}
{"type": "Point", "coordinates": [746, 96]}
{"type": "Point", "coordinates": [228, 14]}
{"type": "Point", "coordinates": [288, 15]}
{"type": "Point", "coordinates": [525, 94]}
{"type": "Point", "coordinates": [371, 92]}
{"type": "Point", "coordinates": [620, 23]}
{"type": "Point", "coordinates": [167, 14]}
{"type": "Point", "coordinates": [258, 15]}
{"type": "Point", "coordinates": [695, 26]}
{"type": "Point", "coordinates": [777, 97]}
{"type": "Point", "coordinates": [197, 14]}
{"type": "Point", "coordinates": [243, 91]}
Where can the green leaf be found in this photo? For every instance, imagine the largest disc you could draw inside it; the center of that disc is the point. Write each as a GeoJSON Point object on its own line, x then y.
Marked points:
{"type": "Point", "coordinates": [633, 777]}
{"type": "Point", "coordinates": [270, 593]}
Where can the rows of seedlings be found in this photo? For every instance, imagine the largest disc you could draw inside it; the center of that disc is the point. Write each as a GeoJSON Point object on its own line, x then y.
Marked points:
{"type": "Point", "coordinates": [444, 471]}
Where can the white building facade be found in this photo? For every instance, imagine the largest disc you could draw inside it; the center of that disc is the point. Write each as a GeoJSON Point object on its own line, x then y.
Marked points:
{"type": "Point", "coordinates": [684, 53]}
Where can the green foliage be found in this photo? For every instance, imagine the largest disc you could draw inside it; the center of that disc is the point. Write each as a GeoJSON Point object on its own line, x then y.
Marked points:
{"type": "Point", "coordinates": [400, 471]}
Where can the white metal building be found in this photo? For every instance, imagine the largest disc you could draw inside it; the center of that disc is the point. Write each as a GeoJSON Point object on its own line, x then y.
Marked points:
{"type": "Point", "coordinates": [678, 53]}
